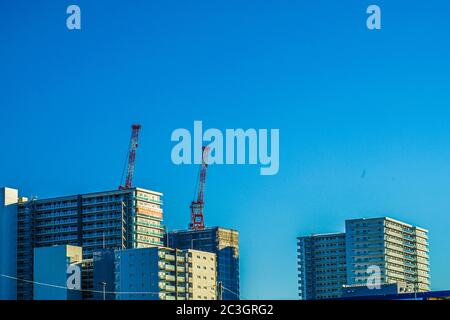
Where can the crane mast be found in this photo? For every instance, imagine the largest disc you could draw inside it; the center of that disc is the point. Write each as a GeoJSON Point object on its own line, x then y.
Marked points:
{"type": "Point", "coordinates": [197, 219]}
{"type": "Point", "coordinates": [131, 157]}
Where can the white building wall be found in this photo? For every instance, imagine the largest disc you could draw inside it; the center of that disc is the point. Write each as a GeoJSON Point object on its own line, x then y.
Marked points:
{"type": "Point", "coordinates": [8, 242]}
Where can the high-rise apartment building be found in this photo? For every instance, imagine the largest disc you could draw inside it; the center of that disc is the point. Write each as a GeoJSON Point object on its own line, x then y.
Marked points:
{"type": "Point", "coordinates": [220, 241]}
{"type": "Point", "coordinates": [118, 219]}
{"type": "Point", "coordinates": [321, 266]}
{"type": "Point", "coordinates": [397, 249]}
{"type": "Point", "coordinates": [380, 251]}
{"type": "Point", "coordinates": [150, 274]}
{"type": "Point", "coordinates": [157, 273]}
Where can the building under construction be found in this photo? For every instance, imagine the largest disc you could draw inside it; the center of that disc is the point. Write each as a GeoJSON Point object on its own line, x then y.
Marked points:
{"type": "Point", "coordinates": [221, 241]}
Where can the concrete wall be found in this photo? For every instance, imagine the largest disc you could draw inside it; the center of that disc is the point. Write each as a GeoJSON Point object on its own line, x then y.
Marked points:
{"type": "Point", "coordinates": [104, 273]}
{"type": "Point", "coordinates": [50, 267]}
{"type": "Point", "coordinates": [138, 272]}
{"type": "Point", "coordinates": [204, 275]}
{"type": "Point", "coordinates": [384, 289]}
{"type": "Point", "coordinates": [8, 243]}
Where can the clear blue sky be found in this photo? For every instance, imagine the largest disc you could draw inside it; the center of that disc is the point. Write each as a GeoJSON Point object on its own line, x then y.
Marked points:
{"type": "Point", "coordinates": [344, 98]}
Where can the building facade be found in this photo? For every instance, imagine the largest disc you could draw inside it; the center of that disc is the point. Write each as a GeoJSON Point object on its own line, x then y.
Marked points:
{"type": "Point", "coordinates": [103, 274]}
{"type": "Point", "coordinates": [150, 274]}
{"type": "Point", "coordinates": [202, 275]}
{"type": "Point", "coordinates": [399, 251]}
{"type": "Point", "coordinates": [118, 219]}
{"type": "Point", "coordinates": [428, 295]}
{"type": "Point", "coordinates": [9, 199]}
{"type": "Point", "coordinates": [157, 273]}
{"type": "Point", "coordinates": [378, 252]}
{"type": "Point", "coordinates": [321, 266]}
{"type": "Point", "coordinates": [220, 241]}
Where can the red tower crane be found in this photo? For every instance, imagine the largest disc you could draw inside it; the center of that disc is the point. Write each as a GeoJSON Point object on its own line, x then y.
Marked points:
{"type": "Point", "coordinates": [197, 220]}
{"type": "Point", "coordinates": [135, 128]}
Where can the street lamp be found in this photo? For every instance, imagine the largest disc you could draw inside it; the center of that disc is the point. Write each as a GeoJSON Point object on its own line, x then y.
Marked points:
{"type": "Point", "coordinates": [104, 289]}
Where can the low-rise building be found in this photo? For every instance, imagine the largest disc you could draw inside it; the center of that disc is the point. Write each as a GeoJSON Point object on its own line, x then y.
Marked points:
{"type": "Point", "coordinates": [359, 290]}
{"type": "Point", "coordinates": [380, 251]}
{"type": "Point", "coordinates": [224, 243]}
{"type": "Point", "coordinates": [157, 273]}
{"type": "Point", "coordinates": [57, 273]}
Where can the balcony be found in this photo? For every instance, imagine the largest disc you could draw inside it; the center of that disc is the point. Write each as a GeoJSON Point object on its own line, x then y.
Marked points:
{"type": "Point", "coordinates": [158, 201]}
{"type": "Point", "coordinates": [169, 257]}
{"type": "Point", "coordinates": [181, 269]}
{"type": "Point", "coordinates": [170, 288]}
{"type": "Point", "coordinates": [169, 267]}
{"type": "Point", "coordinates": [170, 278]}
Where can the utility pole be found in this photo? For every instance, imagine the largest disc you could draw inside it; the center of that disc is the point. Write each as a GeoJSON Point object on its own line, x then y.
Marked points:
{"type": "Point", "coordinates": [220, 290]}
